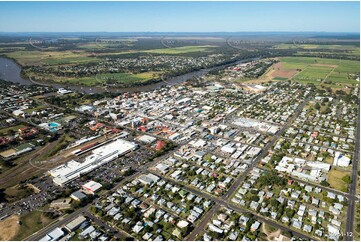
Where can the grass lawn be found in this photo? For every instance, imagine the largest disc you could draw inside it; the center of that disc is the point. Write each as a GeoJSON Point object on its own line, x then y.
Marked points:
{"type": "Point", "coordinates": [16, 193]}
{"type": "Point", "coordinates": [30, 223]}
{"type": "Point", "coordinates": [56, 146]}
{"type": "Point", "coordinates": [5, 131]}
{"type": "Point", "coordinates": [335, 179]}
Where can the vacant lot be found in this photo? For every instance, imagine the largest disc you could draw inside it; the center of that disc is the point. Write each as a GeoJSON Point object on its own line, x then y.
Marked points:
{"type": "Point", "coordinates": [9, 227]}
{"type": "Point", "coordinates": [30, 223]}
{"type": "Point", "coordinates": [335, 179]}
{"type": "Point", "coordinates": [282, 73]}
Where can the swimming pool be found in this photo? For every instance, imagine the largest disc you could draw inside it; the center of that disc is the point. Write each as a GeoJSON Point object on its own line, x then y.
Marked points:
{"type": "Point", "coordinates": [53, 126]}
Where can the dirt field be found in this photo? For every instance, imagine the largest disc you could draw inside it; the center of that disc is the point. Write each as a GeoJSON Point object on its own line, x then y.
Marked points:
{"type": "Point", "coordinates": [270, 235]}
{"type": "Point", "coordinates": [9, 227]}
{"type": "Point", "coordinates": [280, 72]}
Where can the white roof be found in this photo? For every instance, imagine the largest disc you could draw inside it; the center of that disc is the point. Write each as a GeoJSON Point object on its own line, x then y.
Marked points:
{"type": "Point", "coordinates": [56, 234]}
{"type": "Point", "coordinates": [99, 156]}
{"type": "Point", "coordinates": [92, 185]}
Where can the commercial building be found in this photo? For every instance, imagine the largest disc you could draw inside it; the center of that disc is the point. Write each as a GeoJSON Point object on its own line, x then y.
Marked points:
{"type": "Point", "coordinates": [73, 225]}
{"type": "Point", "coordinates": [92, 187]}
{"type": "Point", "coordinates": [99, 156]}
{"type": "Point", "coordinates": [56, 234]}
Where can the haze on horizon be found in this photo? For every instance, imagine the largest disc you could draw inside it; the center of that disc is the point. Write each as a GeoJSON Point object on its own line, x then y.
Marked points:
{"type": "Point", "coordinates": [179, 16]}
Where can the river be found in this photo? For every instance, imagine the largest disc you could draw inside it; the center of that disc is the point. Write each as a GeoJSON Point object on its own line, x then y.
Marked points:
{"type": "Point", "coordinates": [10, 71]}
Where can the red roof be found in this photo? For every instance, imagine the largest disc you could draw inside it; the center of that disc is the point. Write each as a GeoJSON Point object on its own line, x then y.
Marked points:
{"type": "Point", "coordinates": [160, 145]}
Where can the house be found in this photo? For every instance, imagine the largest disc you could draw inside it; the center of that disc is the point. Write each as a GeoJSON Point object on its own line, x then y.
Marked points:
{"type": "Point", "coordinates": [255, 226]}
{"type": "Point", "coordinates": [297, 224]}
{"type": "Point", "coordinates": [254, 205]}
{"type": "Point", "coordinates": [138, 227]}
{"type": "Point", "coordinates": [307, 228]}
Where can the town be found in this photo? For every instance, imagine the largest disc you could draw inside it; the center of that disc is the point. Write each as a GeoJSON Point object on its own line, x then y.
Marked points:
{"type": "Point", "coordinates": [200, 160]}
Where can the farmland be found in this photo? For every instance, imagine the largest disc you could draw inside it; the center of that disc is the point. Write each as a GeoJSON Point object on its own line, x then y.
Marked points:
{"type": "Point", "coordinates": [181, 50]}
{"type": "Point", "coordinates": [319, 70]}
{"type": "Point", "coordinates": [37, 57]}
{"type": "Point", "coordinates": [348, 50]}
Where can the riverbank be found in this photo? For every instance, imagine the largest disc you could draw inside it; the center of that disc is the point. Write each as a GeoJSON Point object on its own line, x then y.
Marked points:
{"type": "Point", "coordinates": [10, 71]}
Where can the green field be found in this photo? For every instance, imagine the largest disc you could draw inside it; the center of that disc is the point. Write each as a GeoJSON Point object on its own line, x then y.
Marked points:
{"type": "Point", "coordinates": [6, 131]}
{"type": "Point", "coordinates": [28, 58]}
{"type": "Point", "coordinates": [313, 73]}
{"type": "Point", "coordinates": [352, 51]}
{"type": "Point", "coordinates": [30, 223]}
{"type": "Point", "coordinates": [316, 46]}
{"type": "Point", "coordinates": [181, 50]}
{"type": "Point", "coordinates": [119, 79]}
{"type": "Point", "coordinates": [313, 70]}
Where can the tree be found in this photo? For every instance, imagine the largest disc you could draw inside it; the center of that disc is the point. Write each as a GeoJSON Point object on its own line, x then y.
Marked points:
{"type": "Point", "coordinates": [274, 202]}
{"type": "Point", "coordinates": [347, 179]}
{"type": "Point", "coordinates": [325, 183]}
{"type": "Point", "coordinates": [317, 106]}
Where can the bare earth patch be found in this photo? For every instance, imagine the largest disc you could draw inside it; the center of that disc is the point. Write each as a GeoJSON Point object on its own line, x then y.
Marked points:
{"type": "Point", "coordinates": [280, 72]}
{"type": "Point", "coordinates": [9, 227]}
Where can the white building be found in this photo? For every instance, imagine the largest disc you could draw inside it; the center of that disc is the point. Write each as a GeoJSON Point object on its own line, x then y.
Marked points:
{"type": "Point", "coordinates": [341, 160]}
{"type": "Point", "coordinates": [100, 156]}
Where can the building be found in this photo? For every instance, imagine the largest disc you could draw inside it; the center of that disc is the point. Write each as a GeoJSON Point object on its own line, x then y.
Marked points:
{"type": "Point", "coordinates": [63, 91]}
{"type": "Point", "coordinates": [147, 139]}
{"type": "Point", "coordinates": [148, 179]}
{"type": "Point", "coordinates": [55, 234]}
{"type": "Point", "coordinates": [78, 196]}
{"type": "Point", "coordinates": [73, 225]}
{"type": "Point", "coordinates": [61, 204]}
{"type": "Point", "coordinates": [341, 160]}
{"type": "Point", "coordinates": [92, 187]}
{"type": "Point", "coordinates": [99, 156]}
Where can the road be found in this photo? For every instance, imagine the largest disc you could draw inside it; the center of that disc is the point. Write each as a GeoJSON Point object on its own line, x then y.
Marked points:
{"type": "Point", "coordinates": [352, 189]}
{"type": "Point", "coordinates": [225, 199]}
{"type": "Point", "coordinates": [224, 202]}
{"type": "Point", "coordinates": [63, 220]}
{"type": "Point", "coordinates": [60, 222]}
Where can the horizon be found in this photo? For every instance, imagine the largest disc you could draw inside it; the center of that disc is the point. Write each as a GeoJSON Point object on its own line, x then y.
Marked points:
{"type": "Point", "coordinates": [179, 17]}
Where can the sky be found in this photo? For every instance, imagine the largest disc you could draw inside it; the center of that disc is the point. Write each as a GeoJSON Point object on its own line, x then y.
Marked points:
{"type": "Point", "coordinates": [179, 16]}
